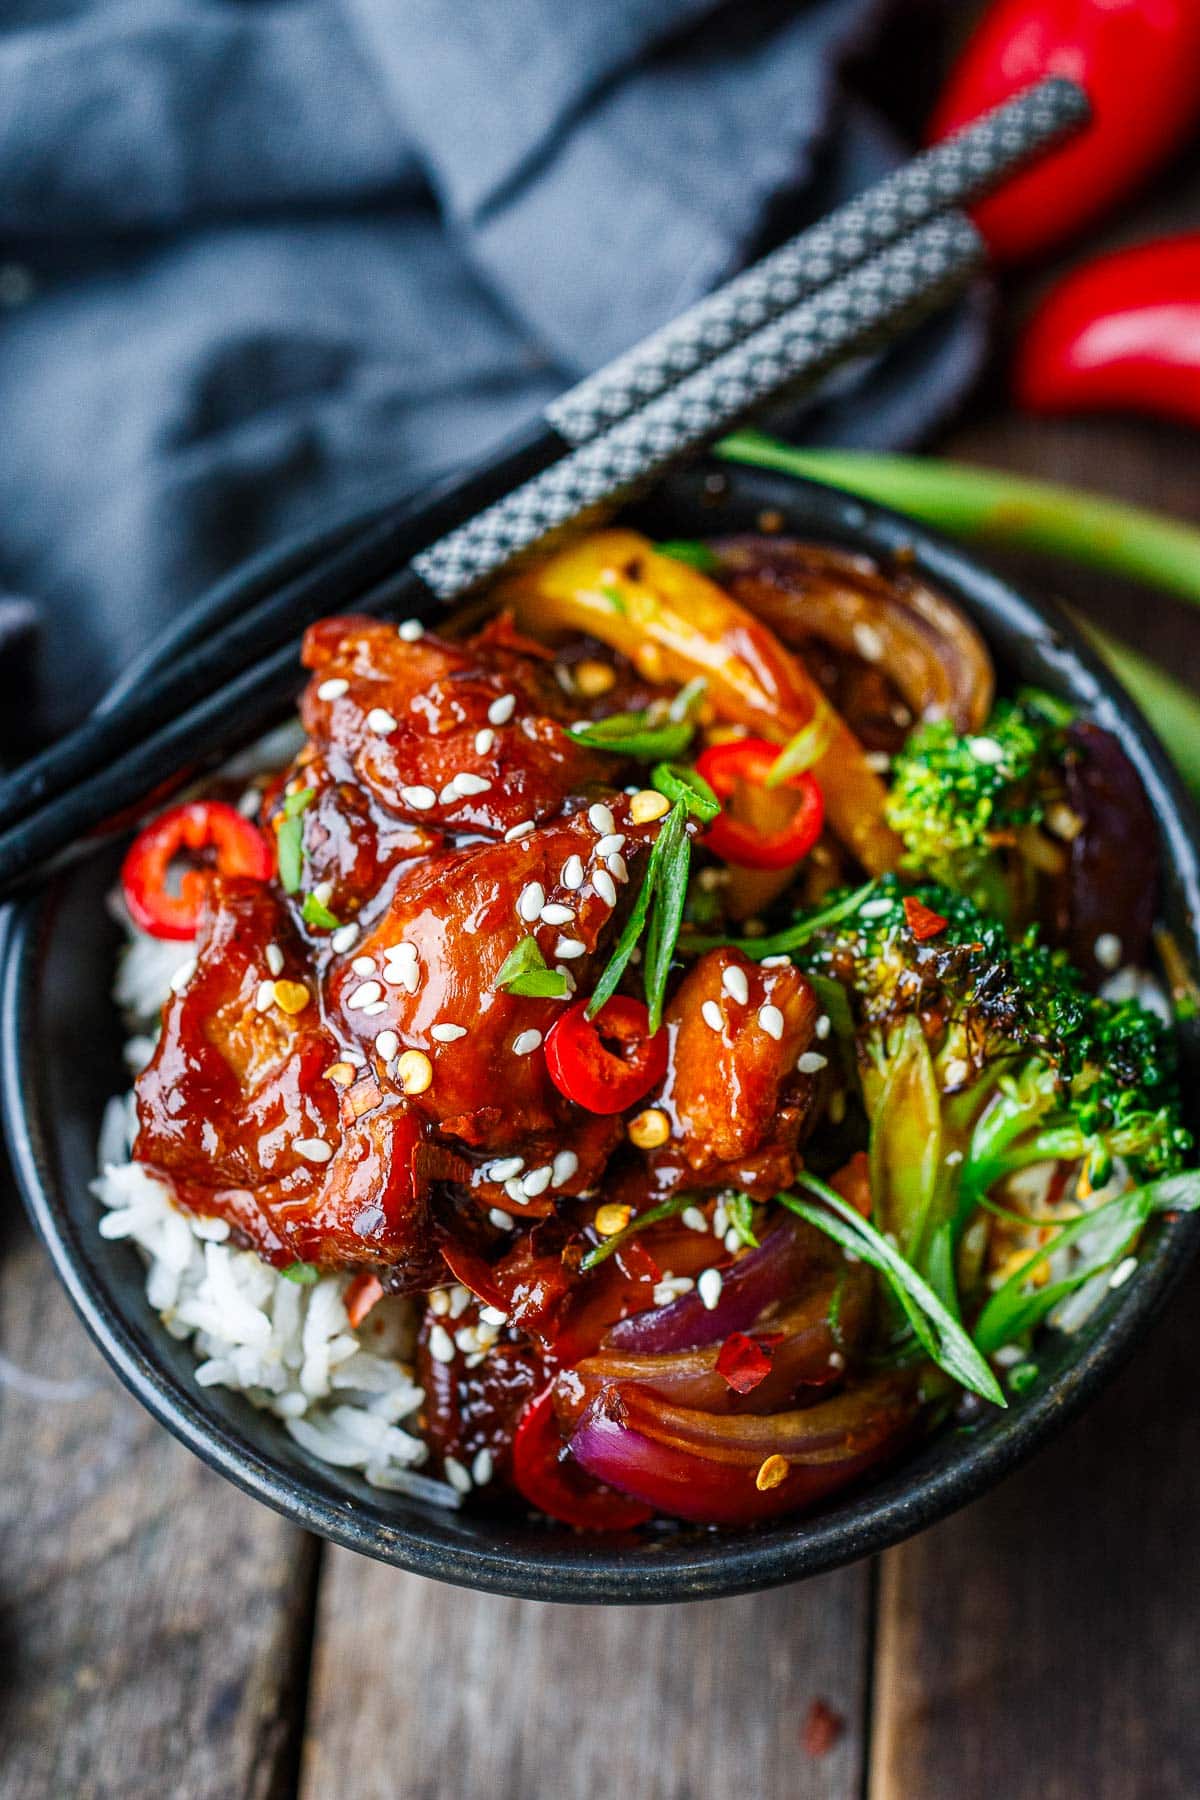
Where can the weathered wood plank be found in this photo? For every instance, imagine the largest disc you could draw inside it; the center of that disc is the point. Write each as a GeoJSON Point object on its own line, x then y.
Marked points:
{"type": "Point", "coordinates": [429, 1692]}
{"type": "Point", "coordinates": [154, 1623]}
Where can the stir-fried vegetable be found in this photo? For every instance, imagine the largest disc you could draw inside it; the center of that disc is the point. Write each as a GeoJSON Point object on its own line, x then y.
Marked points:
{"type": "Point", "coordinates": [674, 624]}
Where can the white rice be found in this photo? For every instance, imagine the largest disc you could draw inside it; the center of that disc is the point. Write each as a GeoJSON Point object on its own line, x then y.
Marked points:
{"type": "Point", "coordinates": [346, 1396]}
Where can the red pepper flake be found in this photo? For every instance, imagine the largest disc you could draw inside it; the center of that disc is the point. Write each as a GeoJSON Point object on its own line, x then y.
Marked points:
{"type": "Point", "coordinates": [923, 922]}
{"type": "Point", "coordinates": [822, 1728]}
{"type": "Point", "coordinates": [362, 1294]}
{"type": "Point", "coordinates": [742, 1363]}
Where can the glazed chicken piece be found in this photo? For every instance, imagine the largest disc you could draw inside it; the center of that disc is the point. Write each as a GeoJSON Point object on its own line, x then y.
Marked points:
{"type": "Point", "coordinates": [425, 979]}
{"type": "Point", "coordinates": [458, 736]}
{"type": "Point", "coordinates": [238, 1110]}
{"type": "Point", "coordinates": [737, 1101]}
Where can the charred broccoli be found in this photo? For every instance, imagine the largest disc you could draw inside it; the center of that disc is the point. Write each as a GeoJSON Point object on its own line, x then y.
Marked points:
{"type": "Point", "coordinates": [961, 804]}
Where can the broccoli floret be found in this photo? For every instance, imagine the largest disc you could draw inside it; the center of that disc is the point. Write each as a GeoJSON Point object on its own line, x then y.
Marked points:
{"type": "Point", "coordinates": [980, 1054]}
{"type": "Point", "coordinates": [960, 803]}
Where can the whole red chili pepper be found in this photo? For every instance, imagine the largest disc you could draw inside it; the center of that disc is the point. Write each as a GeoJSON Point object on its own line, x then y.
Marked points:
{"type": "Point", "coordinates": [1122, 333]}
{"type": "Point", "coordinates": [1140, 63]}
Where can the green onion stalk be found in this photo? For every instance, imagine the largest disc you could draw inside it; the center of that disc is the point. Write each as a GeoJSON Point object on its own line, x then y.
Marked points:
{"type": "Point", "coordinates": [1013, 512]}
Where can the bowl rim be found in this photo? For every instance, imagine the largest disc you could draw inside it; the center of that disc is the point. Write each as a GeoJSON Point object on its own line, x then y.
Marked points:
{"type": "Point", "coordinates": [581, 1569]}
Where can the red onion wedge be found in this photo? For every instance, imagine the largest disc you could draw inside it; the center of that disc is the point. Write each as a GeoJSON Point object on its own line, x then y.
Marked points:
{"type": "Point", "coordinates": [735, 1471]}
{"type": "Point", "coordinates": [767, 1275]}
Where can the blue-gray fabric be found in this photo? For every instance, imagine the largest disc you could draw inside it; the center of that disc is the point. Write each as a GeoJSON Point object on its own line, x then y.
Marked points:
{"type": "Point", "coordinates": [261, 260]}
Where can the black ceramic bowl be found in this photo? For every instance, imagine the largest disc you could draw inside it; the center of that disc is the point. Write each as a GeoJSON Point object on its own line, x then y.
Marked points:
{"type": "Point", "coordinates": [60, 1051]}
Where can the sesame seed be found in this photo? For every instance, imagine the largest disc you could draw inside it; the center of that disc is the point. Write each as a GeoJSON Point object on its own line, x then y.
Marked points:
{"type": "Point", "coordinates": [313, 1150]}
{"type": "Point", "coordinates": [420, 799]}
{"type": "Point", "coordinates": [448, 1034]}
{"type": "Point", "coordinates": [572, 873]}
{"type": "Point", "coordinates": [458, 1477]}
{"type": "Point", "coordinates": [249, 803]}
{"type": "Point", "coordinates": [672, 1287]}
{"type": "Point", "coordinates": [411, 631]}
{"type": "Point", "coordinates": [467, 783]}
{"type": "Point", "coordinates": [694, 1219]}
{"type": "Point", "coordinates": [376, 1007]}
{"type": "Point", "coordinates": [415, 1072]}
{"type": "Point", "coordinates": [822, 1027]}
{"type": "Point", "coordinates": [514, 1190]}
{"type": "Point", "coordinates": [449, 793]}
{"type": "Point", "coordinates": [367, 995]}
{"type": "Point", "coordinates": [363, 965]}
{"type": "Point", "coordinates": [526, 1043]}
{"type": "Point", "coordinates": [467, 1338]}
{"type": "Point", "coordinates": [605, 887]}
{"type": "Point", "coordinates": [771, 1020]}
{"type": "Point", "coordinates": [600, 819]}
{"type": "Point", "coordinates": [710, 1012]}
{"type": "Point", "coordinates": [502, 710]}
{"type": "Point", "coordinates": [481, 1468]}
{"type": "Point", "coordinates": [985, 750]}
{"type": "Point", "coordinates": [565, 1164]}
{"type": "Point", "coordinates": [484, 740]}
{"type": "Point", "coordinates": [619, 868]}
{"type": "Point", "coordinates": [518, 831]}
{"type": "Point", "coordinates": [709, 1288]}
{"type": "Point", "coordinates": [439, 1302]}
{"type": "Point", "coordinates": [500, 1219]}
{"type": "Point", "coordinates": [265, 997]}
{"type": "Point", "coordinates": [537, 1181]}
{"type": "Point", "coordinates": [567, 948]}
{"type": "Point", "coordinates": [323, 892]}
{"type": "Point", "coordinates": [836, 1360]}
{"type": "Point", "coordinates": [647, 805]}
{"type": "Point", "coordinates": [774, 962]}
{"type": "Point", "coordinates": [274, 956]}
{"type": "Point", "coordinates": [875, 909]}
{"type": "Point", "coordinates": [867, 641]}
{"type": "Point", "coordinates": [334, 688]}
{"type": "Point", "coordinates": [878, 761]}
{"type": "Point", "coordinates": [811, 1062]}
{"type": "Point", "coordinates": [460, 1299]}
{"type": "Point", "coordinates": [403, 952]}
{"type": "Point", "coordinates": [1122, 1272]}
{"type": "Point", "coordinates": [403, 975]}
{"type": "Point", "coordinates": [388, 1045]}
{"type": "Point", "coordinates": [506, 1168]}
{"type": "Point", "coordinates": [344, 938]}
{"type": "Point", "coordinates": [554, 913]}
{"type": "Point", "coordinates": [183, 975]}
{"type": "Point", "coordinates": [1108, 950]}
{"type": "Point", "coordinates": [441, 1344]}
{"type": "Point", "coordinates": [734, 981]}
{"type": "Point", "coordinates": [612, 845]}
{"type": "Point", "coordinates": [380, 720]}
{"type": "Point", "coordinates": [562, 969]}
{"type": "Point", "coordinates": [732, 1240]}
{"type": "Point", "coordinates": [530, 901]}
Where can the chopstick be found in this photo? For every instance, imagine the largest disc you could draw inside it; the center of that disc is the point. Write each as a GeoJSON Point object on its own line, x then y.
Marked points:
{"type": "Point", "coordinates": [902, 284]}
{"type": "Point", "coordinates": [245, 622]}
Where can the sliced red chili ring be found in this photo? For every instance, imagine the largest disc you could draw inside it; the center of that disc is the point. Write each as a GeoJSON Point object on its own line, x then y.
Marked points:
{"type": "Point", "coordinates": [585, 1070]}
{"type": "Point", "coordinates": [562, 1489]}
{"type": "Point", "coordinates": [235, 846]}
{"type": "Point", "coordinates": [744, 764]}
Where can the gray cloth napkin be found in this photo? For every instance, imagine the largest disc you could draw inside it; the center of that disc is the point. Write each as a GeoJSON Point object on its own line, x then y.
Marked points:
{"type": "Point", "coordinates": [261, 259]}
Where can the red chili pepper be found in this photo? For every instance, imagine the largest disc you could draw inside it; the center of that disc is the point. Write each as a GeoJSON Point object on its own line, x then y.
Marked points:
{"type": "Point", "coordinates": [587, 1072]}
{"type": "Point", "coordinates": [746, 763]}
{"type": "Point", "coordinates": [562, 1489]}
{"type": "Point", "coordinates": [1122, 332]}
{"type": "Point", "coordinates": [742, 1363]}
{"type": "Point", "coordinates": [236, 847]}
{"type": "Point", "coordinates": [923, 922]}
{"type": "Point", "coordinates": [469, 1268]}
{"type": "Point", "coordinates": [1140, 63]}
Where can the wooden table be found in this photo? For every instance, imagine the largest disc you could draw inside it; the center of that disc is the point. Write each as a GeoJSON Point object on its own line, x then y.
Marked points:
{"type": "Point", "coordinates": [162, 1635]}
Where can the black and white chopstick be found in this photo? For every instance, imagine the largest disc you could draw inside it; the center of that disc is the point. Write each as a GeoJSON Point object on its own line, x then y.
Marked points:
{"type": "Point", "coordinates": [225, 688]}
{"type": "Point", "coordinates": [243, 621]}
